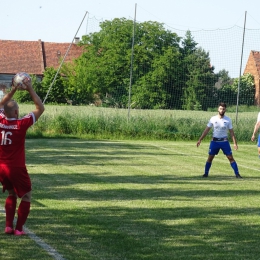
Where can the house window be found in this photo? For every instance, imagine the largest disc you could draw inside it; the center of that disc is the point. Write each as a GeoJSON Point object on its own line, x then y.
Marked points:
{"type": "Point", "coordinates": [1, 94]}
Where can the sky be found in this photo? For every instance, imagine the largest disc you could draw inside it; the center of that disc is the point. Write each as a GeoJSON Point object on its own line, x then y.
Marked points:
{"type": "Point", "coordinates": [61, 20]}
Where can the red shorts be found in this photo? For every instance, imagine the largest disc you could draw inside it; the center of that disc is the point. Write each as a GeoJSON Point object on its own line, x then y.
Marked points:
{"type": "Point", "coordinates": [16, 178]}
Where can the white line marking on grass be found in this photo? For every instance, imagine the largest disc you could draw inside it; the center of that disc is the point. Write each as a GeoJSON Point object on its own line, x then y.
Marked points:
{"type": "Point", "coordinates": [170, 149]}
{"type": "Point", "coordinates": [186, 154]}
{"type": "Point", "coordinates": [51, 251]}
{"type": "Point", "coordinates": [249, 168]}
{"type": "Point", "coordinates": [198, 156]}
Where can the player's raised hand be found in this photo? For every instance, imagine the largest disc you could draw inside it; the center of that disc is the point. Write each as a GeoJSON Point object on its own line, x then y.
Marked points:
{"type": "Point", "coordinates": [27, 84]}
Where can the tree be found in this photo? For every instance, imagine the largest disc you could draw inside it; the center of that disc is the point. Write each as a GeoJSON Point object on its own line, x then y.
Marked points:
{"type": "Point", "coordinates": [57, 94]}
{"type": "Point", "coordinates": [198, 76]}
{"type": "Point", "coordinates": [166, 72]}
{"type": "Point", "coordinates": [159, 87]}
{"type": "Point", "coordinates": [199, 91]}
{"type": "Point", "coordinates": [103, 70]}
{"type": "Point", "coordinates": [229, 93]}
{"type": "Point", "coordinates": [157, 61]}
{"type": "Point", "coordinates": [246, 89]}
{"type": "Point", "coordinates": [188, 44]}
{"type": "Point", "coordinates": [223, 79]}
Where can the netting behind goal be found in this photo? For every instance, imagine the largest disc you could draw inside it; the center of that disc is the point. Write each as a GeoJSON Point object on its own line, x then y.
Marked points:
{"type": "Point", "coordinates": [152, 66]}
{"type": "Point", "coordinates": [208, 67]}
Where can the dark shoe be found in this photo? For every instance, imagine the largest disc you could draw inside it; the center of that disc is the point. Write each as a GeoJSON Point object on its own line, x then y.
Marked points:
{"type": "Point", "coordinates": [238, 176]}
{"type": "Point", "coordinates": [205, 175]}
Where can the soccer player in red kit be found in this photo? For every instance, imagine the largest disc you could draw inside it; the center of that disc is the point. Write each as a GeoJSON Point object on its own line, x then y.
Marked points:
{"type": "Point", "coordinates": [13, 172]}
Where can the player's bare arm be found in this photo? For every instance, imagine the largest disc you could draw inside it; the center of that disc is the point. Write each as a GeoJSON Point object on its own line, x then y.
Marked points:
{"type": "Point", "coordinates": [232, 134]}
{"type": "Point", "coordinates": [7, 97]}
{"type": "Point", "coordinates": [39, 107]}
{"type": "Point", "coordinates": [205, 132]}
{"type": "Point", "coordinates": [257, 125]}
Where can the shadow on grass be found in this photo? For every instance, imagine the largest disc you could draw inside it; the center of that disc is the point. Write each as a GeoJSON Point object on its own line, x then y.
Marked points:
{"type": "Point", "coordinates": [142, 233]}
{"type": "Point", "coordinates": [153, 231]}
{"type": "Point", "coordinates": [80, 187]}
{"type": "Point", "coordinates": [68, 152]}
{"type": "Point", "coordinates": [136, 216]}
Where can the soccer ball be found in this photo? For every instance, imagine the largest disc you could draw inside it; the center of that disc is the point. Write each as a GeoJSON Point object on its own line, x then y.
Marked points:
{"type": "Point", "coordinates": [19, 79]}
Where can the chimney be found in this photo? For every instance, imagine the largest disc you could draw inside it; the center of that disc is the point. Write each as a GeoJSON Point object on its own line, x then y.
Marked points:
{"type": "Point", "coordinates": [76, 40]}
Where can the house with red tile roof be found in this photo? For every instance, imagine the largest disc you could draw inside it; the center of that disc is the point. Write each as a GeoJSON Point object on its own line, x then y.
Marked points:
{"type": "Point", "coordinates": [32, 57]}
{"type": "Point", "coordinates": [253, 67]}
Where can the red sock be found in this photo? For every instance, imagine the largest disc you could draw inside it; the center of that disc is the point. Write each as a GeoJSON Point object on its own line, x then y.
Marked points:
{"type": "Point", "coordinates": [23, 212]}
{"type": "Point", "coordinates": [10, 207]}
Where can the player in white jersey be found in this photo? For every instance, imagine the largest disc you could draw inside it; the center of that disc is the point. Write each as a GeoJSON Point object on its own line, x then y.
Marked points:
{"type": "Point", "coordinates": [221, 126]}
{"type": "Point", "coordinates": [257, 125]}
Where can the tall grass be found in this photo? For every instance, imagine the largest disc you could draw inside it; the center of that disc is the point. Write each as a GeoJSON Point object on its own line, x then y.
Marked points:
{"type": "Point", "coordinates": [107, 123]}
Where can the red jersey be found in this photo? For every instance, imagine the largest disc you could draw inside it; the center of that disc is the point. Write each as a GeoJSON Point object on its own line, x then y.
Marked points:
{"type": "Point", "coordinates": [12, 139]}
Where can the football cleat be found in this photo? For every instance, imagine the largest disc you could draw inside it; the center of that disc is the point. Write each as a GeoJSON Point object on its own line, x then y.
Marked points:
{"type": "Point", "coordinates": [19, 233]}
{"type": "Point", "coordinates": [9, 230]}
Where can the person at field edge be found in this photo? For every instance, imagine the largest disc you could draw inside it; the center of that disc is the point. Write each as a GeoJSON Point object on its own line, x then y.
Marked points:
{"type": "Point", "coordinates": [13, 172]}
{"type": "Point", "coordinates": [221, 125]}
{"type": "Point", "coordinates": [256, 128]}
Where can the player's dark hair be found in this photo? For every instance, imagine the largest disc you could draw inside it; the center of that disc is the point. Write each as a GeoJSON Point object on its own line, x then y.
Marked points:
{"type": "Point", "coordinates": [222, 104]}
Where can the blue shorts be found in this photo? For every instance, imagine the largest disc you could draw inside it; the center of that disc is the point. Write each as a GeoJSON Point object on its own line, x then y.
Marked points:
{"type": "Point", "coordinates": [258, 142]}
{"type": "Point", "coordinates": [214, 147]}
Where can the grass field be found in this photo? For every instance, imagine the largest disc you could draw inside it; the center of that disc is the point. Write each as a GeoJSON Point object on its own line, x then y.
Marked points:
{"type": "Point", "coordinates": [134, 200]}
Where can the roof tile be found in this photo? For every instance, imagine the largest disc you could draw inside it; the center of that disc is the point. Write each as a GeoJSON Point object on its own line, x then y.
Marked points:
{"type": "Point", "coordinates": [34, 56]}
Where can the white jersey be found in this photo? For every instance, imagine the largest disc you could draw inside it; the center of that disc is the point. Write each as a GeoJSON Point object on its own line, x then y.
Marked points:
{"type": "Point", "coordinates": [258, 117]}
{"type": "Point", "coordinates": [221, 126]}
